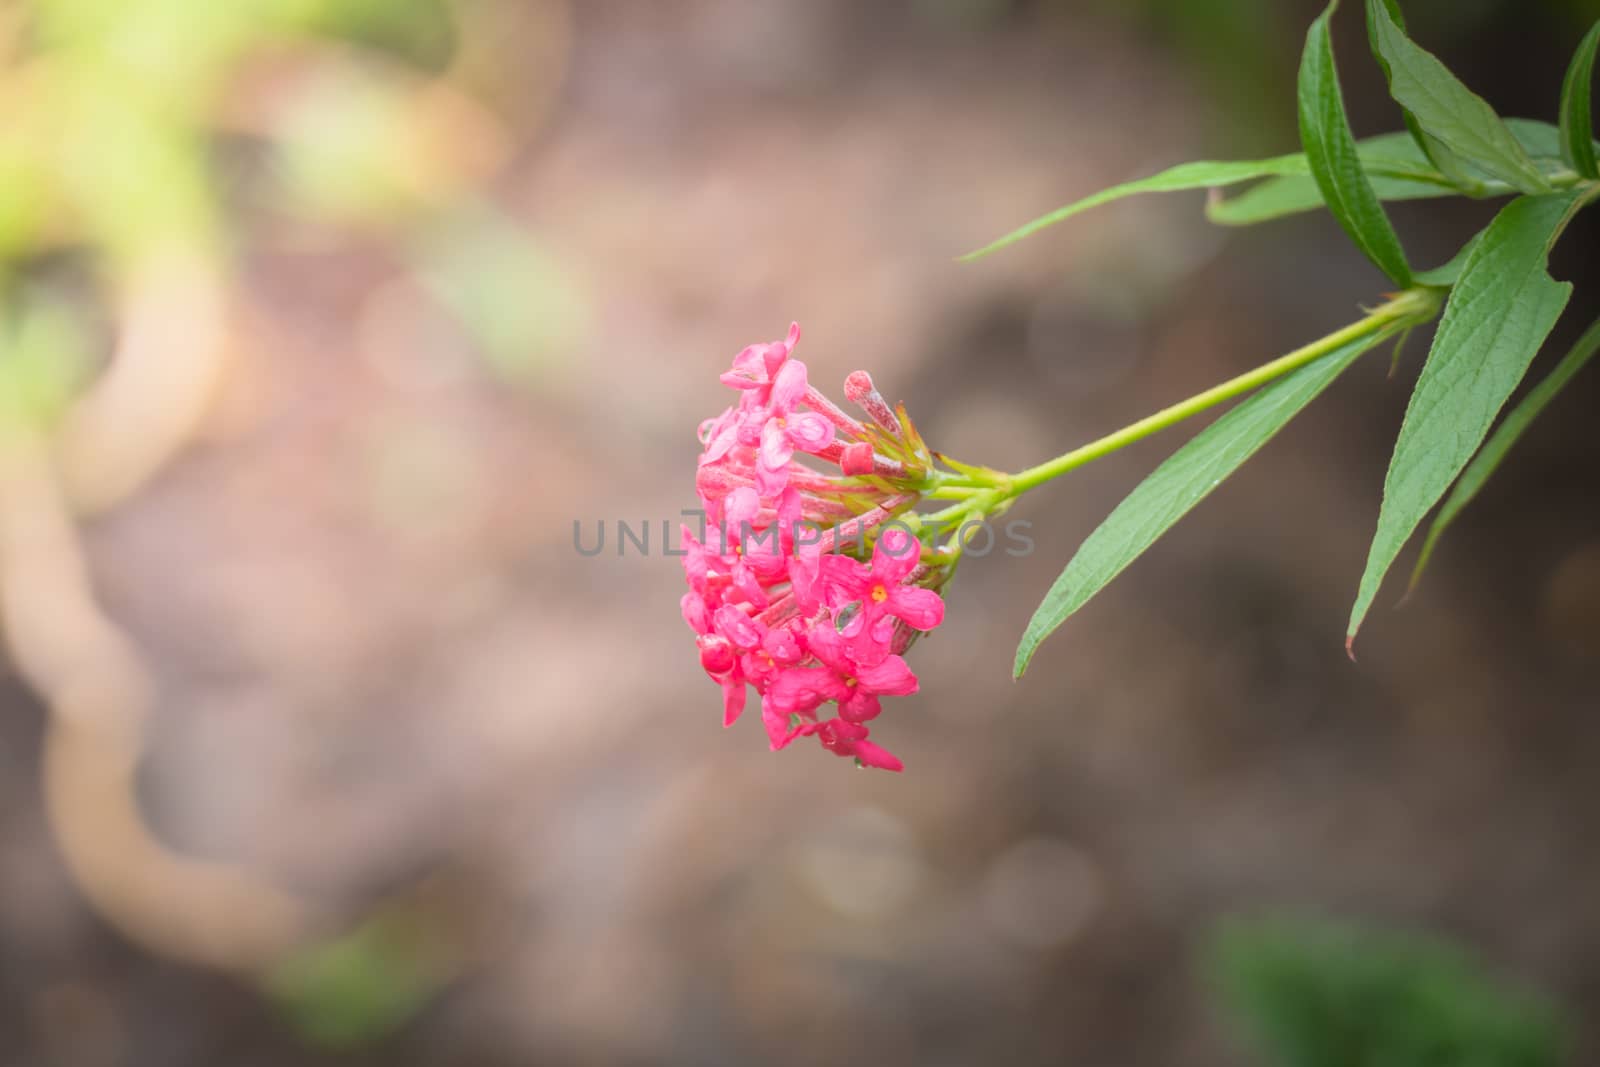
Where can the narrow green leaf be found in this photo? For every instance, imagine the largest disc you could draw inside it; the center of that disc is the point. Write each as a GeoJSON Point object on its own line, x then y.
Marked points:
{"type": "Point", "coordinates": [1335, 163]}
{"type": "Point", "coordinates": [1438, 155]}
{"type": "Point", "coordinates": [1199, 175]}
{"type": "Point", "coordinates": [1395, 165]}
{"type": "Point", "coordinates": [1500, 310]}
{"type": "Point", "coordinates": [1446, 109]}
{"type": "Point", "coordinates": [1541, 140]}
{"type": "Point", "coordinates": [1577, 128]}
{"type": "Point", "coordinates": [1509, 432]}
{"type": "Point", "coordinates": [1180, 483]}
{"type": "Point", "coordinates": [1398, 170]}
{"type": "Point", "coordinates": [1277, 197]}
{"type": "Point", "coordinates": [1452, 166]}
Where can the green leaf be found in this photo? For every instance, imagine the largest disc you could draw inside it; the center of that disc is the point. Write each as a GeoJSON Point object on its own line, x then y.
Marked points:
{"type": "Point", "coordinates": [1180, 483]}
{"type": "Point", "coordinates": [1335, 164]}
{"type": "Point", "coordinates": [1439, 156]}
{"type": "Point", "coordinates": [1277, 197]}
{"type": "Point", "coordinates": [1541, 140]}
{"type": "Point", "coordinates": [1500, 310]}
{"type": "Point", "coordinates": [1398, 170]}
{"type": "Point", "coordinates": [1577, 128]}
{"type": "Point", "coordinates": [1395, 166]}
{"type": "Point", "coordinates": [1446, 109]}
{"type": "Point", "coordinates": [1199, 175]}
{"type": "Point", "coordinates": [1509, 432]}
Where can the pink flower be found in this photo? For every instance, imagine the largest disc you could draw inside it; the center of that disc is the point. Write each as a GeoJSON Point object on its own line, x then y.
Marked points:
{"type": "Point", "coordinates": [757, 365]}
{"type": "Point", "coordinates": [696, 612]}
{"type": "Point", "coordinates": [767, 590]}
{"type": "Point", "coordinates": [879, 588]}
{"type": "Point", "coordinates": [742, 556]}
{"type": "Point", "coordinates": [717, 573]}
{"type": "Point", "coordinates": [837, 736]}
{"type": "Point", "coordinates": [781, 437]}
{"type": "Point", "coordinates": [719, 436]}
{"type": "Point", "coordinates": [850, 739]}
{"type": "Point", "coordinates": [840, 677]}
{"type": "Point", "coordinates": [720, 661]}
{"type": "Point", "coordinates": [778, 650]}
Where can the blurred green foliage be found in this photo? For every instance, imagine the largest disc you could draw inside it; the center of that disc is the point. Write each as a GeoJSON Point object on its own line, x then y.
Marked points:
{"type": "Point", "coordinates": [1319, 994]}
{"type": "Point", "coordinates": [114, 115]}
{"type": "Point", "coordinates": [46, 357]}
{"type": "Point", "coordinates": [421, 32]}
{"type": "Point", "coordinates": [358, 988]}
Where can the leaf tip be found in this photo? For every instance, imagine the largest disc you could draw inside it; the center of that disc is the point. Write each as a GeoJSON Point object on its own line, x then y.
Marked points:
{"type": "Point", "coordinates": [1350, 646]}
{"type": "Point", "coordinates": [1019, 666]}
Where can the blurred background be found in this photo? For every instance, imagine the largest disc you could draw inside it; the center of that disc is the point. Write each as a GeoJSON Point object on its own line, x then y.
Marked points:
{"type": "Point", "coordinates": [325, 320]}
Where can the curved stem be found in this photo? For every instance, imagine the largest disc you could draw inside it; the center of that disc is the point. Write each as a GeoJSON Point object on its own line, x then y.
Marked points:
{"type": "Point", "coordinates": [1416, 305]}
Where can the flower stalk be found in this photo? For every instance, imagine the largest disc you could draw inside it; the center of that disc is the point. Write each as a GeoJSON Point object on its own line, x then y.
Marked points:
{"type": "Point", "coordinates": [816, 584]}
{"type": "Point", "coordinates": [1414, 306]}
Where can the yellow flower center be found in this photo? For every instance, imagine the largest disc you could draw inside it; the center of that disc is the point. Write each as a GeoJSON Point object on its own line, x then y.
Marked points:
{"type": "Point", "coordinates": [879, 594]}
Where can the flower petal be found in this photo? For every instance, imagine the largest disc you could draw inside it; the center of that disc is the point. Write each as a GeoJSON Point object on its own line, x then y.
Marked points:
{"type": "Point", "coordinates": [776, 448]}
{"type": "Point", "coordinates": [896, 554]}
{"type": "Point", "coordinates": [809, 432]}
{"type": "Point", "coordinates": [805, 581]}
{"type": "Point", "coordinates": [781, 644]}
{"type": "Point", "coordinates": [892, 677]}
{"type": "Point", "coordinates": [800, 689]}
{"type": "Point", "coordinates": [733, 698]}
{"type": "Point", "coordinates": [860, 706]}
{"type": "Point", "coordinates": [871, 637]}
{"type": "Point", "coordinates": [922, 608]}
{"type": "Point", "coordinates": [844, 580]}
{"type": "Point", "coordinates": [737, 627]}
{"type": "Point", "coordinates": [740, 506]}
{"type": "Point", "coordinates": [695, 612]}
{"type": "Point", "coordinates": [824, 641]}
{"type": "Point", "coordinates": [873, 755]}
{"type": "Point", "coordinates": [788, 387]}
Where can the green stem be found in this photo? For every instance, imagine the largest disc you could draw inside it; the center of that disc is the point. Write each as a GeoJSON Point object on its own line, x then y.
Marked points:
{"type": "Point", "coordinates": [953, 492]}
{"type": "Point", "coordinates": [1417, 305]}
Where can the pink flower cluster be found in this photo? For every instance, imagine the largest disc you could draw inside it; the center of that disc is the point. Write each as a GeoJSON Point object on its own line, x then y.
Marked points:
{"type": "Point", "coordinates": [802, 581]}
